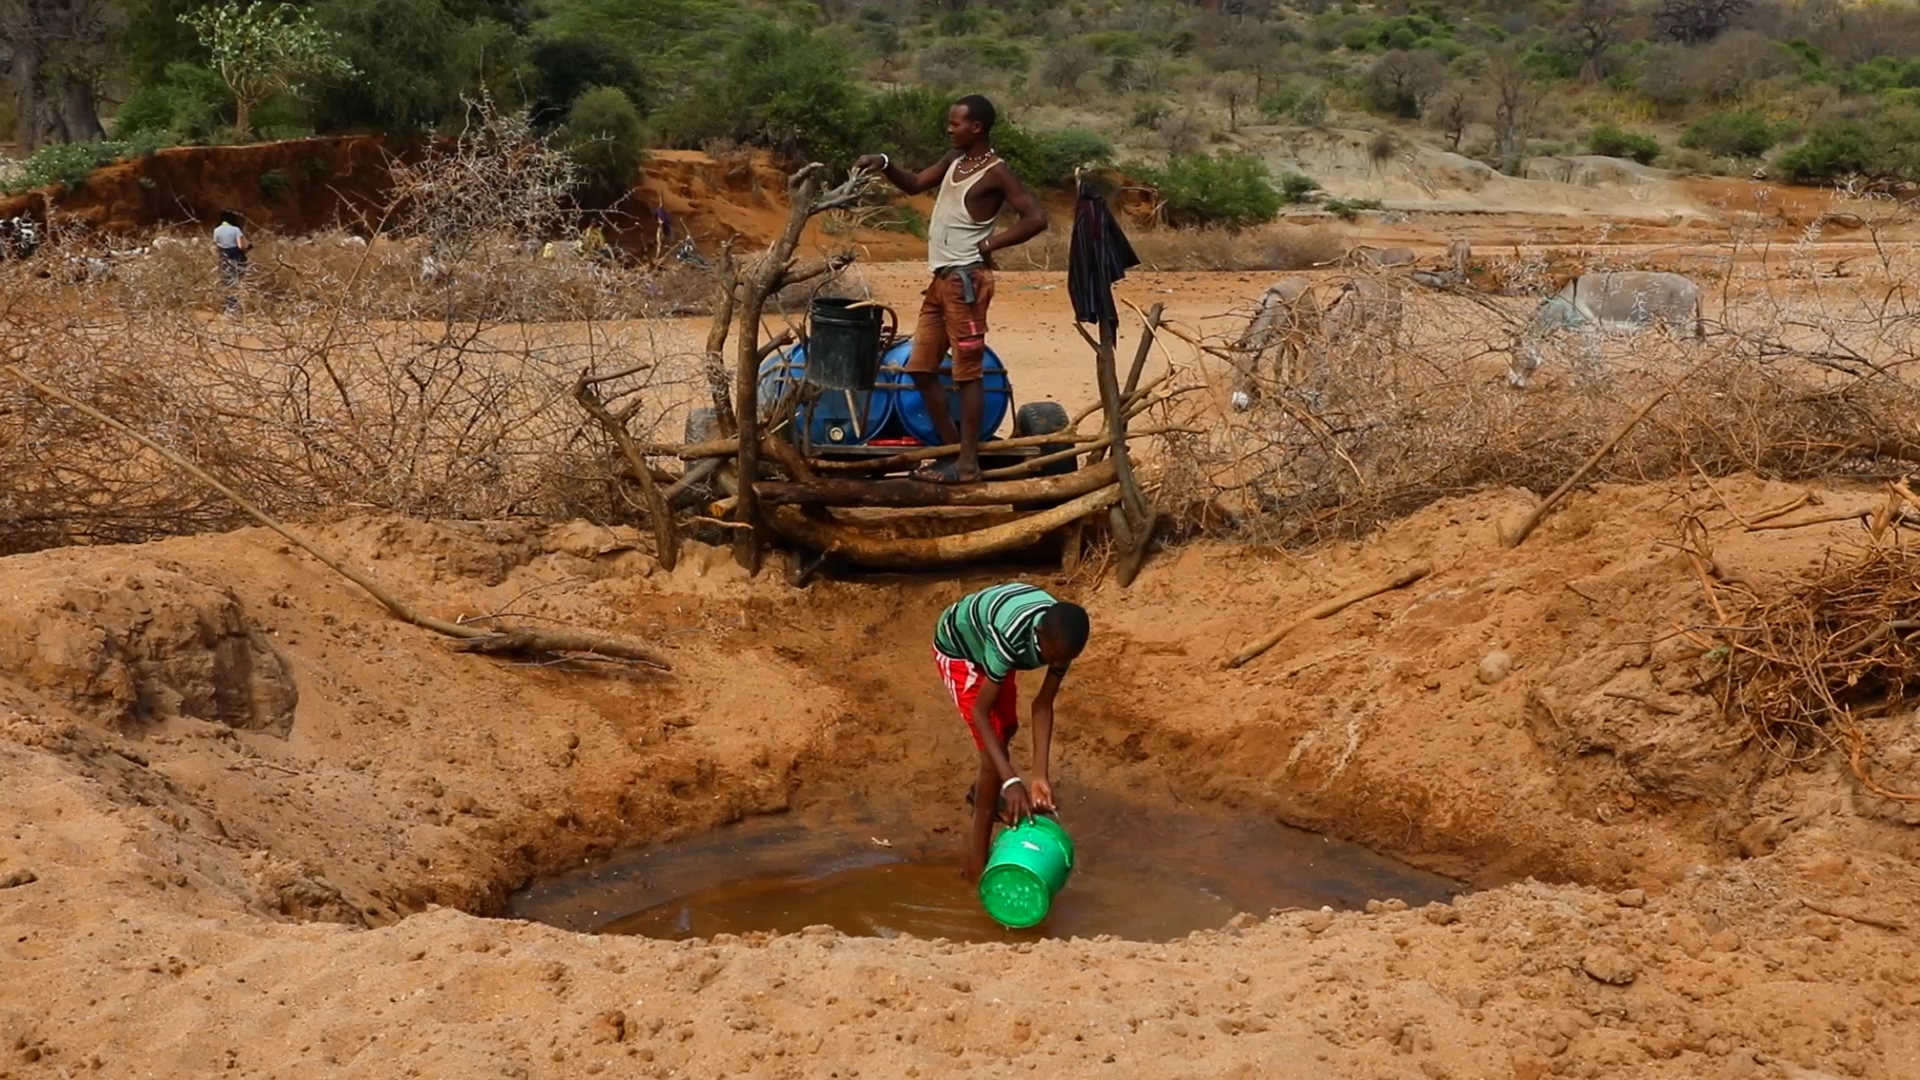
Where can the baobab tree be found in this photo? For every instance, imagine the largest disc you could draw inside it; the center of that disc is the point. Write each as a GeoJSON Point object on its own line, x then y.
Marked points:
{"type": "Point", "coordinates": [1596, 26]}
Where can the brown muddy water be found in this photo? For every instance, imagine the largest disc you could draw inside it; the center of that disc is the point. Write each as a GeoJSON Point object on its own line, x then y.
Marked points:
{"type": "Point", "coordinates": [1145, 872]}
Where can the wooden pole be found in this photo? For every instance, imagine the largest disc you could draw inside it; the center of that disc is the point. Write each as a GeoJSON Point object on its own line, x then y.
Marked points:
{"type": "Point", "coordinates": [775, 270]}
{"type": "Point", "coordinates": [666, 548]}
{"type": "Point", "coordinates": [1110, 400]}
{"type": "Point", "coordinates": [913, 553]}
{"type": "Point", "coordinates": [1134, 520]}
{"type": "Point", "coordinates": [1139, 367]}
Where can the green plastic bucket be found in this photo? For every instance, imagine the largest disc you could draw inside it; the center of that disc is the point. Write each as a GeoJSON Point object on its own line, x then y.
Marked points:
{"type": "Point", "coordinates": [1028, 865]}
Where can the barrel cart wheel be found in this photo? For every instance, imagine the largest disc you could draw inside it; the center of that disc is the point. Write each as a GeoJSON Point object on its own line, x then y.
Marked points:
{"type": "Point", "coordinates": [1046, 418]}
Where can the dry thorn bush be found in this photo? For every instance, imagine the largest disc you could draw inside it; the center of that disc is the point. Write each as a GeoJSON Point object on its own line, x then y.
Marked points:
{"type": "Point", "coordinates": [1275, 247]}
{"type": "Point", "coordinates": [1801, 379]}
{"type": "Point", "coordinates": [1831, 664]}
{"type": "Point", "coordinates": [347, 383]}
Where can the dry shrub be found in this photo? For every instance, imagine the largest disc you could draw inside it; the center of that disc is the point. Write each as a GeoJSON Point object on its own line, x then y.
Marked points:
{"type": "Point", "coordinates": [310, 415]}
{"type": "Point", "coordinates": [1818, 667]}
{"type": "Point", "coordinates": [1273, 248]}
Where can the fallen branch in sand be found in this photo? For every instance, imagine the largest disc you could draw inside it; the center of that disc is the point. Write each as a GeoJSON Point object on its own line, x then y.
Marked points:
{"type": "Point", "coordinates": [1407, 576]}
{"type": "Point", "coordinates": [1863, 513]}
{"type": "Point", "coordinates": [1863, 920]}
{"type": "Point", "coordinates": [1518, 534]}
{"type": "Point", "coordinates": [471, 639]}
{"type": "Point", "coordinates": [1780, 511]}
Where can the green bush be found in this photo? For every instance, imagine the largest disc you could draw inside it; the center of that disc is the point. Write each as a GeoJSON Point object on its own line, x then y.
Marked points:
{"type": "Point", "coordinates": [1348, 209]}
{"type": "Point", "coordinates": [1295, 187]}
{"type": "Point", "coordinates": [1832, 150]}
{"type": "Point", "coordinates": [1896, 140]}
{"type": "Point", "coordinates": [1731, 134]}
{"type": "Point", "coordinates": [1881, 73]}
{"type": "Point", "coordinates": [1398, 32]}
{"type": "Point", "coordinates": [1115, 43]}
{"type": "Point", "coordinates": [999, 55]}
{"type": "Point", "coordinates": [566, 67]}
{"type": "Point", "coordinates": [1225, 188]}
{"type": "Point", "coordinates": [1047, 160]}
{"type": "Point", "coordinates": [1610, 141]}
{"type": "Point", "coordinates": [604, 136]}
{"type": "Point", "coordinates": [1311, 111]}
{"type": "Point", "coordinates": [1280, 104]}
{"type": "Point", "coordinates": [909, 124]}
{"type": "Point", "coordinates": [71, 163]}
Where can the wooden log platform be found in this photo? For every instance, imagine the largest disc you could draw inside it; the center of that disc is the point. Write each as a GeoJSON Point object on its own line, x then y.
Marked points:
{"type": "Point", "coordinates": [908, 493]}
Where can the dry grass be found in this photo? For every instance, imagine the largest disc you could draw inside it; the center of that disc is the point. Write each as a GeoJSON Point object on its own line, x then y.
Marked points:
{"type": "Point", "coordinates": [1274, 248]}
{"type": "Point", "coordinates": [348, 381]}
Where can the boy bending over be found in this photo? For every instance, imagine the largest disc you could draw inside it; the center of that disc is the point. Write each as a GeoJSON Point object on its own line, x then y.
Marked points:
{"type": "Point", "coordinates": [979, 644]}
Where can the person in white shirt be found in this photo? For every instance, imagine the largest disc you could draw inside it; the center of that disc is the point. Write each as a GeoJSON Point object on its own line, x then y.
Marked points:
{"type": "Point", "coordinates": [231, 244]}
{"type": "Point", "coordinates": [975, 185]}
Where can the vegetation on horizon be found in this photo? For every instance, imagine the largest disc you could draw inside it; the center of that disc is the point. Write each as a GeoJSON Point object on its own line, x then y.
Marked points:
{"type": "Point", "coordinates": [1816, 92]}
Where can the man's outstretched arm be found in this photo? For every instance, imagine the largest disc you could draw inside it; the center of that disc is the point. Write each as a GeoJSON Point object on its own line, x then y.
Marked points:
{"type": "Point", "coordinates": [911, 183]}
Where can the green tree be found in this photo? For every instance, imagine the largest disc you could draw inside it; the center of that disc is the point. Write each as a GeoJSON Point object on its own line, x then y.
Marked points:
{"type": "Point", "coordinates": [1896, 138]}
{"type": "Point", "coordinates": [1047, 160]}
{"type": "Point", "coordinates": [399, 49]}
{"type": "Point", "coordinates": [261, 50]}
{"type": "Point", "coordinates": [416, 60]}
{"type": "Point", "coordinates": [668, 38]}
{"type": "Point", "coordinates": [155, 36]}
{"type": "Point", "coordinates": [787, 89]}
{"type": "Point", "coordinates": [565, 67]}
{"type": "Point", "coordinates": [606, 139]}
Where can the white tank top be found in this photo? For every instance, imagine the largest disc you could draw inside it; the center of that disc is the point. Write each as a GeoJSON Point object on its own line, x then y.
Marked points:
{"type": "Point", "coordinates": [953, 237]}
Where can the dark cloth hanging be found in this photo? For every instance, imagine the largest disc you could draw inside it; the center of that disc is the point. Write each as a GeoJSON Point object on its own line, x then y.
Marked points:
{"type": "Point", "coordinates": [1098, 256]}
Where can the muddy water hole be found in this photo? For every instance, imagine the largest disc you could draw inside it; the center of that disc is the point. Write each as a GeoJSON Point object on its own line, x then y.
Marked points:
{"type": "Point", "coordinates": [1144, 872]}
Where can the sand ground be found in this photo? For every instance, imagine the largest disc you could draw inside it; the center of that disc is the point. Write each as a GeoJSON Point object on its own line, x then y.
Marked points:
{"type": "Point", "coordinates": [254, 828]}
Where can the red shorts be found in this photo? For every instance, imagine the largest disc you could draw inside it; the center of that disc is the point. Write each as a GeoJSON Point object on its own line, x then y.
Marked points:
{"type": "Point", "coordinates": [947, 321]}
{"type": "Point", "coordinates": [964, 679]}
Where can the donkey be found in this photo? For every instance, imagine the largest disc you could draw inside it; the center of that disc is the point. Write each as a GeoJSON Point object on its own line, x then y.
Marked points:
{"type": "Point", "coordinates": [1626, 300]}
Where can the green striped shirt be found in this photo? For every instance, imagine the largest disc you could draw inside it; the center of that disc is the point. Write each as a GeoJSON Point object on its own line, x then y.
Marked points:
{"type": "Point", "coordinates": [997, 629]}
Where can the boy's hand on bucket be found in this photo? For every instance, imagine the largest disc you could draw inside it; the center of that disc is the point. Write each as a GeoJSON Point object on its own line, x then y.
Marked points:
{"type": "Point", "coordinates": [1043, 795]}
{"type": "Point", "coordinates": [1019, 803]}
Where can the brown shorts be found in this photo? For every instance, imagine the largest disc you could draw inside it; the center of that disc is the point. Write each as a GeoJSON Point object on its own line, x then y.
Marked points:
{"type": "Point", "coordinates": [947, 321]}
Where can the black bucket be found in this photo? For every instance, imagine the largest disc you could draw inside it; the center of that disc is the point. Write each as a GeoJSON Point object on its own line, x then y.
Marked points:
{"type": "Point", "coordinates": [843, 343]}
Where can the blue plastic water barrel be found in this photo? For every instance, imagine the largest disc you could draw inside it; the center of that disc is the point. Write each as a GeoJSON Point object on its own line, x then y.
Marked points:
{"type": "Point", "coordinates": [829, 420]}
{"type": "Point", "coordinates": [912, 410]}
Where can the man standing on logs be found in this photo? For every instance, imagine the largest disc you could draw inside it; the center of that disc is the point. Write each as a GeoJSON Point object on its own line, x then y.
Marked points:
{"type": "Point", "coordinates": [978, 645]}
{"type": "Point", "coordinates": [975, 186]}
